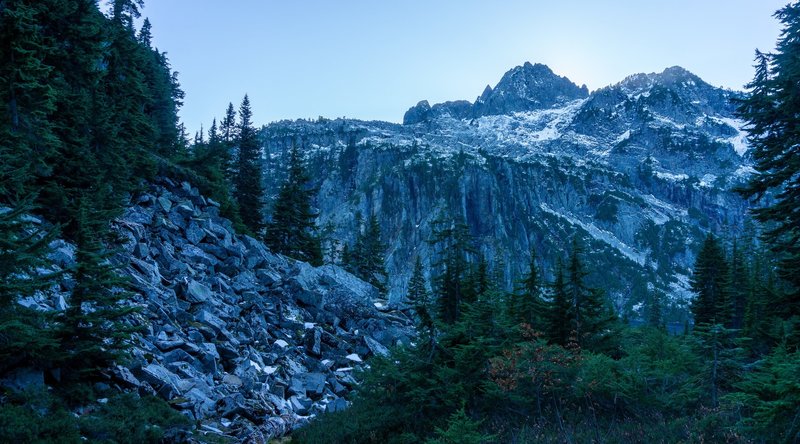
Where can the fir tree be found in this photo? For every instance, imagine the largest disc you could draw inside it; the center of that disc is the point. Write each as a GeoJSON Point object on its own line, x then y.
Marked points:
{"type": "Point", "coordinates": [248, 188]}
{"type": "Point", "coordinates": [366, 259]}
{"type": "Point", "coordinates": [94, 333]}
{"type": "Point", "coordinates": [709, 283]}
{"type": "Point", "coordinates": [453, 243]}
{"type": "Point", "coordinates": [589, 314]}
{"type": "Point", "coordinates": [419, 299]}
{"type": "Point", "coordinates": [771, 112]}
{"type": "Point", "coordinates": [559, 312]}
{"type": "Point", "coordinates": [654, 316]}
{"type": "Point", "coordinates": [526, 304]}
{"type": "Point", "coordinates": [227, 128]}
{"type": "Point", "coordinates": [292, 230]}
{"type": "Point", "coordinates": [26, 335]}
{"type": "Point", "coordinates": [27, 136]}
{"type": "Point", "coordinates": [738, 277]}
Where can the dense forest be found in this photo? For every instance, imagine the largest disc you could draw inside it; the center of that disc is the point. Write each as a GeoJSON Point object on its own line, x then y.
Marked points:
{"type": "Point", "coordinates": [90, 117]}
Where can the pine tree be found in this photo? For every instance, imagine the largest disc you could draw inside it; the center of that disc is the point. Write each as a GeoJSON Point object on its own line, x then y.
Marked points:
{"type": "Point", "coordinates": [292, 230]}
{"type": "Point", "coordinates": [709, 283]}
{"type": "Point", "coordinates": [375, 262]}
{"type": "Point", "coordinates": [772, 114]}
{"type": "Point", "coordinates": [248, 189]}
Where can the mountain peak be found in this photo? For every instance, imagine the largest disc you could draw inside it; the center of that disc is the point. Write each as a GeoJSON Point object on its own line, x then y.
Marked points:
{"type": "Point", "coordinates": [670, 77]}
{"type": "Point", "coordinates": [525, 88]}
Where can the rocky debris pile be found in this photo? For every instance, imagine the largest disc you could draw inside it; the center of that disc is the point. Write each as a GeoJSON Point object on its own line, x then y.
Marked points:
{"type": "Point", "coordinates": [248, 343]}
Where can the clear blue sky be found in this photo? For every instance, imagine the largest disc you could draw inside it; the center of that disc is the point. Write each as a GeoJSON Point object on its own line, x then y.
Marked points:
{"type": "Point", "coordinates": [374, 59]}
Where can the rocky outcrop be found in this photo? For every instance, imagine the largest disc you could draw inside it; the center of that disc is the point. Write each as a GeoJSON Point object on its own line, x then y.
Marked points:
{"type": "Point", "coordinates": [247, 343]}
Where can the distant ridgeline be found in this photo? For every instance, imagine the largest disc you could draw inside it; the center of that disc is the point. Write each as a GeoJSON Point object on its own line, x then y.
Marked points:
{"type": "Point", "coordinates": [640, 171]}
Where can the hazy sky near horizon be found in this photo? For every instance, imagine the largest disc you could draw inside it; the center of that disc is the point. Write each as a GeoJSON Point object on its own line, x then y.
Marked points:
{"type": "Point", "coordinates": [374, 59]}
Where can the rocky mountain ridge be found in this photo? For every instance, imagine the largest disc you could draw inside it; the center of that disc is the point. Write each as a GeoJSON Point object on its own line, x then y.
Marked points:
{"type": "Point", "coordinates": [247, 343]}
{"type": "Point", "coordinates": [639, 170]}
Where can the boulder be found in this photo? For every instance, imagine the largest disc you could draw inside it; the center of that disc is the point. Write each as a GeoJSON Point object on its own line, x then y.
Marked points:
{"type": "Point", "coordinates": [311, 384]}
{"type": "Point", "coordinates": [313, 341]}
{"type": "Point", "coordinates": [195, 234]}
{"type": "Point", "coordinates": [376, 347]}
{"type": "Point", "coordinates": [197, 292]}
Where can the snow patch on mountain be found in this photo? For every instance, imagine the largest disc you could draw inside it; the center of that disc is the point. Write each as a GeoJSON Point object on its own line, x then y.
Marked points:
{"type": "Point", "coordinates": [600, 234]}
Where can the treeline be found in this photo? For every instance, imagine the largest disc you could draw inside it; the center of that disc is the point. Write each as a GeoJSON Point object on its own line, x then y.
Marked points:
{"type": "Point", "coordinates": [551, 362]}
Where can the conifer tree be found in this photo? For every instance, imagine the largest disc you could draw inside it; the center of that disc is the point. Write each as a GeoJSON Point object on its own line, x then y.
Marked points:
{"type": "Point", "coordinates": [654, 315]}
{"type": "Point", "coordinates": [374, 263]}
{"type": "Point", "coordinates": [248, 188]}
{"type": "Point", "coordinates": [453, 243]}
{"type": "Point", "coordinates": [94, 333]}
{"type": "Point", "coordinates": [738, 280]}
{"type": "Point", "coordinates": [709, 283]}
{"type": "Point", "coordinates": [292, 230]}
{"type": "Point", "coordinates": [26, 335]}
{"type": "Point", "coordinates": [559, 313]}
{"type": "Point", "coordinates": [771, 112]}
{"type": "Point", "coordinates": [590, 316]}
{"type": "Point", "coordinates": [526, 304]}
{"type": "Point", "coordinates": [227, 128]}
{"type": "Point", "coordinates": [419, 299]}
{"type": "Point", "coordinates": [28, 97]}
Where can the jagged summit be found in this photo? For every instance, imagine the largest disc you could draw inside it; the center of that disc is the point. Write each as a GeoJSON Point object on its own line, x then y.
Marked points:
{"type": "Point", "coordinates": [532, 87]}
{"type": "Point", "coordinates": [527, 87]}
{"type": "Point", "coordinates": [674, 77]}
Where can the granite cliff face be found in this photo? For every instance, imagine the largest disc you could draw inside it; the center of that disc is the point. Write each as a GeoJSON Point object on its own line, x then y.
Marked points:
{"type": "Point", "coordinates": [639, 170]}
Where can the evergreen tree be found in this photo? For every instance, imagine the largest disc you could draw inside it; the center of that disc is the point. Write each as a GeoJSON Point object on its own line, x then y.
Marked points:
{"type": "Point", "coordinates": [292, 230]}
{"type": "Point", "coordinates": [654, 315]}
{"type": "Point", "coordinates": [419, 298]}
{"type": "Point", "coordinates": [589, 314]}
{"type": "Point", "coordinates": [248, 189]}
{"type": "Point", "coordinates": [738, 277]}
{"type": "Point", "coordinates": [26, 335]}
{"type": "Point", "coordinates": [771, 112]}
{"type": "Point", "coordinates": [28, 96]}
{"type": "Point", "coordinates": [709, 283]}
{"type": "Point", "coordinates": [94, 333]}
{"type": "Point", "coordinates": [559, 313]}
{"type": "Point", "coordinates": [526, 304]}
{"type": "Point", "coordinates": [453, 244]}
{"type": "Point", "coordinates": [366, 259]}
{"type": "Point", "coordinates": [227, 128]}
